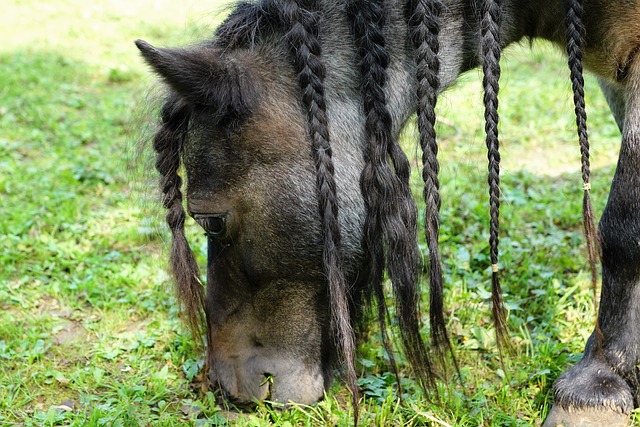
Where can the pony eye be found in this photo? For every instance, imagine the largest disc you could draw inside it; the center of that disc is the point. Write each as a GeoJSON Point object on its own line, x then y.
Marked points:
{"type": "Point", "coordinates": [213, 225]}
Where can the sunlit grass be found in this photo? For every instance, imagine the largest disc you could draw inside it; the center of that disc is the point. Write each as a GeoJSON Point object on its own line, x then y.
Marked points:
{"type": "Point", "coordinates": [89, 334]}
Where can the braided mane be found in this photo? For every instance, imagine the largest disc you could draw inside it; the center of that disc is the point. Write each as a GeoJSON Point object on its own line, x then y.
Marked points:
{"type": "Point", "coordinates": [575, 43]}
{"type": "Point", "coordinates": [167, 144]}
{"type": "Point", "coordinates": [424, 24]}
{"type": "Point", "coordinates": [491, 47]}
{"type": "Point", "coordinates": [301, 22]}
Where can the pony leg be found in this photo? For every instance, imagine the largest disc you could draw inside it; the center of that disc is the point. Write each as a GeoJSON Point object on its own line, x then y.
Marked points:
{"type": "Point", "coordinates": [602, 388]}
{"type": "Point", "coordinates": [614, 94]}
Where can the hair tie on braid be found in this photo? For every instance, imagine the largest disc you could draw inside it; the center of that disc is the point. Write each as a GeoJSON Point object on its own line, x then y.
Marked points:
{"type": "Point", "coordinates": [494, 268]}
{"type": "Point", "coordinates": [586, 186]}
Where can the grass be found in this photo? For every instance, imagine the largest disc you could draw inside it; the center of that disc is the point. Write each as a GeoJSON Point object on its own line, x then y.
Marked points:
{"type": "Point", "coordinates": [89, 334]}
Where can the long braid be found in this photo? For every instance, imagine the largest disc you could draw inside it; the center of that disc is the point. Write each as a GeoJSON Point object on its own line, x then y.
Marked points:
{"type": "Point", "coordinates": [575, 42]}
{"type": "Point", "coordinates": [301, 20]}
{"type": "Point", "coordinates": [424, 21]}
{"type": "Point", "coordinates": [373, 233]}
{"type": "Point", "coordinates": [391, 211]}
{"type": "Point", "coordinates": [167, 144]}
{"type": "Point", "coordinates": [491, 48]}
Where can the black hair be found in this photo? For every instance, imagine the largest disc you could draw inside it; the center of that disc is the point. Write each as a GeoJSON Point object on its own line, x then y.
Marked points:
{"type": "Point", "coordinates": [575, 43]}
{"type": "Point", "coordinates": [301, 20]}
{"type": "Point", "coordinates": [391, 215]}
{"type": "Point", "coordinates": [167, 144]}
{"type": "Point", "coordinates": [491, 49]}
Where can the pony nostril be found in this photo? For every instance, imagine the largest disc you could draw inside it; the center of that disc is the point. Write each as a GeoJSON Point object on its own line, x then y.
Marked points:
{"type": "Point", "coordinates": [257, 343]}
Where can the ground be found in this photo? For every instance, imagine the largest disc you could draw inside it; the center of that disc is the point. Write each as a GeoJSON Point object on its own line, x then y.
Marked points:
{"type": "Point", "coordinates": [89, 331]}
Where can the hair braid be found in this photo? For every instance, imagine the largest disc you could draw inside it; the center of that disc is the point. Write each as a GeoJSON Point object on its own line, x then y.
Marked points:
{"type": "Point", "coordinates": [167, 144]}
{"type": "Point", "coordinates": [301, 20]}
{"type": "Point", "coordinates": [424, 21]}
{"type": "Point", "coordinates": [374, 242]}
{"type": "Point", "coordinates": [575, 42]}
{"type": "Point", "coordinates": [491, 47]}
{"type": "Point", "coordinates": [391, 211]}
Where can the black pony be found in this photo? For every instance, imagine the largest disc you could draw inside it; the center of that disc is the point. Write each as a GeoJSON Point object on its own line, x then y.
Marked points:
{"type": "Point", "coordinates": [287, 126]}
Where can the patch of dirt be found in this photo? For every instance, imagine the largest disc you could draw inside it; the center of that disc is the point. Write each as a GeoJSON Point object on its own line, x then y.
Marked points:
{"type": "Point", "coordinates": [70, 333]}
{"type": "Point", "coordinates": [47, 304]}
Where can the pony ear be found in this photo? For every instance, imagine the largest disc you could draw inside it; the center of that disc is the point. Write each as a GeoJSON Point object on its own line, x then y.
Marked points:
{"type": "Point", "coordinates": [204, 77]}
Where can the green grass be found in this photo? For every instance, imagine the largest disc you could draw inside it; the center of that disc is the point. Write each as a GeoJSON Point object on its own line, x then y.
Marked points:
{"type": "Point", "coordinates": [89, 334]}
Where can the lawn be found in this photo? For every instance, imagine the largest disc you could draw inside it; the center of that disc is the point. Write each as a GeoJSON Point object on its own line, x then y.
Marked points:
{"type": "Point", "coordinates": [89, 334]}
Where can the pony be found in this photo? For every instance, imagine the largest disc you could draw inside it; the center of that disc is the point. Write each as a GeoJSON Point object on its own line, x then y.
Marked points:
{"type": "Point", "coordinates": [286, 123]}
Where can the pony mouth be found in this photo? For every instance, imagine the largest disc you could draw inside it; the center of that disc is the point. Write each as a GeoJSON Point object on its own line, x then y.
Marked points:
{"type": "Point", "coordinates": [268, 383]}
{"type": "Point", "coordinates": [263, 396]}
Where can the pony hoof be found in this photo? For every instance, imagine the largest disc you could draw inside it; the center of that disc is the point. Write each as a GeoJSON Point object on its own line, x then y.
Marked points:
{"type": "Point", "coordinates": [590, 394]}
{"type": "Point", "coordinates": [585, 417]}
